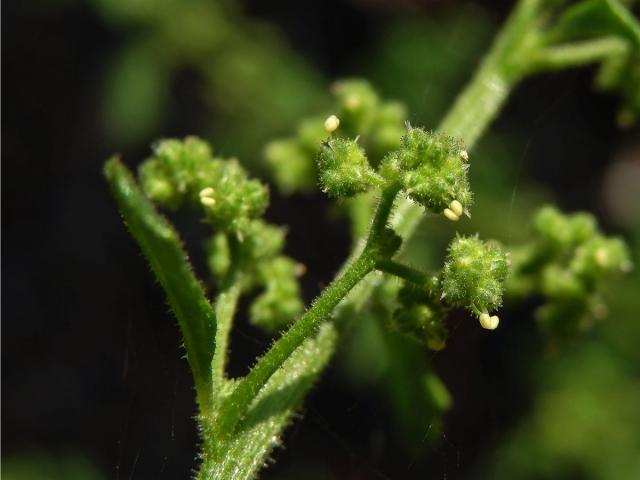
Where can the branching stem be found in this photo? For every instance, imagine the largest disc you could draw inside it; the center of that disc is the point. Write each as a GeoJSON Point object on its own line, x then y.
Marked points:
{"type": "Point", "coordinates": [226, 303]}
{"type": "Point", "coordinates": [403, 271]}
{"type": "Point", "coordinates": [233, 407]}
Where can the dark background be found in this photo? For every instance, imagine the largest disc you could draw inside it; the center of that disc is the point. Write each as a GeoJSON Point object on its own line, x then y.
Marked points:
{"type": "Point", "coordinates": [90, 358]}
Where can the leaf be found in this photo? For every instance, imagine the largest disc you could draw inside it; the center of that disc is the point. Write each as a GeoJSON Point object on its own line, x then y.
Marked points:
{"type": "Point", "coordinates": [271, 411]}
{"type": "Point", "coordinates": [163, 249]}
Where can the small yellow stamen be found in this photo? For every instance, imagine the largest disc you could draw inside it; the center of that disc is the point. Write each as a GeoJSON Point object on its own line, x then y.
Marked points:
{"type": "Point", "coordinates": [206, 192]}
{"type": "Point", "coordinates": [464, 155]}
{"type": "Point", "coordinates": [489, 322]}
{"type": "Point", "coordinates": [456, 207]}
{"type": "Point", "coordinates": [450, 214]}
{"type": "Point", "coordinates": [207, 201]}
{"type": "Point", "coordinates": [331, 124]}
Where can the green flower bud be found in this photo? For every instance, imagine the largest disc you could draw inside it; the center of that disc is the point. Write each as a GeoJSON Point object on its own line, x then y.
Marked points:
{"type": "Point", "coordinates": [280, 303]}
{"type": "Point", "coordinates": [421, 315]}
{"type": "Point", "coordinates": [559, 282]}
{"type": "Point", "coordinates": [562, 231]}
{"type": "Point", "coordinates": [568, 263]}
{"type": "Point", "coordinates": [158, 185]}
{"type": "Point", "coordinates": [388, 128]}
{"type": "Point", "coordinates": [357, 104]}
{"type": "Point", "coordinates": [344, 168]}
{"type": "Point", "coordinates": [474, 275]}
{"type": "Point", "coordinates": [185, 170]}
{"type": "Point", "coordinates": [218, 256]}
{"type": "Point", "coordinates": [423, 323]}
{"type": "Point", "coordinates": [262, 241]}
{"type": "Point", "coordinates": [600, 256]}
{"type": "Point", "coordinates": [432, 170]}
{"type": "Point", "coordinates": [232, 200]}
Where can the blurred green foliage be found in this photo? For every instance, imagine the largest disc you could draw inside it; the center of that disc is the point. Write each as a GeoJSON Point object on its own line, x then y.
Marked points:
{"type": "Point", "coordinates": [245, 72]}
{"type": "Point", "coordinates": [48, 466]}
{"type": "Point", "coordinates": [584, 421]}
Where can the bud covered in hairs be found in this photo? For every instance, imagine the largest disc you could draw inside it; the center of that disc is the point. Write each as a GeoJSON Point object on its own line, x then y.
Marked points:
{"type": "Point", "coordinates": [420, 315]}
{"type": "Point", "coordinates": [474, 274]}
{"type": "Point", "coordinates": [431, 169]}
{"type": "Point", "coordinates": [344, 168]}
{"type": "Point", "coordinates": [185, 170]}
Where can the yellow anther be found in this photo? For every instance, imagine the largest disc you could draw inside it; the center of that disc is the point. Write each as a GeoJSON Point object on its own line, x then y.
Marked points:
{"type": "Point", "coordinates": [450, 214]}
{"type": "Point", "coordinates": [331, 124]}
{"type": "Point", "coordinates": [207, 201]}
{"type": "Point", "coordinates": [206, 192]}
{"type": "Point", "coordinates": [464, 155]}
{"type": "Point", "coordinates": [489, 322]}
{"type": "Point", "coordinates": [456, 207]}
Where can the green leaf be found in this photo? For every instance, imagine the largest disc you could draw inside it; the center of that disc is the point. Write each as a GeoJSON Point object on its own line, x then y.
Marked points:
{"type": "Point", "coordinates": [162, 247]}
{"type": "Point", "coordinates": [271, 411]}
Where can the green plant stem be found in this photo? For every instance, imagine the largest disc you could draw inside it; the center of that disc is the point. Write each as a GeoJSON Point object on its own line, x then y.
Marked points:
{"type": "Point", "coordinates": [501, 70]}
{"type": "Point", "coordinates": [226, 303]}
{"type": "Point", "coordinates": [578, 54]}
{"type": "Point", "coordinates": [403, 271]}
{"type": "Point", "coordinates": [232, 408]}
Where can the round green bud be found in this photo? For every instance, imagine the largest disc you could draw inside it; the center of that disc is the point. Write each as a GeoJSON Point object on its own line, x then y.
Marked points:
{"type": "Point", "coordinates": [600, 256]}
{"type": "Point", "coordinates": [232, 200]}
{"type": "Point", "coordinates": [563, 231]}
{"type": "Point", "coordinates": [344, 168]}
{"type": "Point", "coordinates": [357, 102]}
{"type": "Point", "coordinates": [218, 256]}
{"type": "Point", "coordinates": [431, 170]}
{"type": "Point", "coordinates": [262, 241]}
{"type": "Point", "coordinates": [558, 282]}
{"type": "Point", "coordinates": [157, 184]}
{"type": "Point", "coordinates": [280, 302]}
{"type": "Point", "coordinates": [421, 315]}
{"type": "Point", "coordinates": [423, 323]}
{"type": "Point", "coordinates": [474, 274]}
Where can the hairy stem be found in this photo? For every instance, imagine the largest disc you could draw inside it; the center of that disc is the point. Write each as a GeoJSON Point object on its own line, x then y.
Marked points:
{"type": "Point", "coordinates": [226, 303]}
{"type": "Point", "coordinates": [403, 271]}
{"type": "Point", "coordinates": [232, 408]}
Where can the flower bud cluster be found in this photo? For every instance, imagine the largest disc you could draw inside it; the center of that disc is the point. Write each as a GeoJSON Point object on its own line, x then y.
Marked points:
{"type": "Point", "coordinates": [432, 169]}
{"type": "Point", "coordinates": [264, 267]}
{"type": "Point", "coordinates": [568, 262]}
{"type": "Point", "coordinates": [344, 168]}
{"type": "Point", "coordinates": [420, 316]}
{"type": "Point", "coordinates": [429, 167]}
{"type": "Point", "coordinates": [358, 112]}
{"type": "Point", "coordinates": [185, 171]}
{"type": "Point", "coordinates": [473, 277]}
